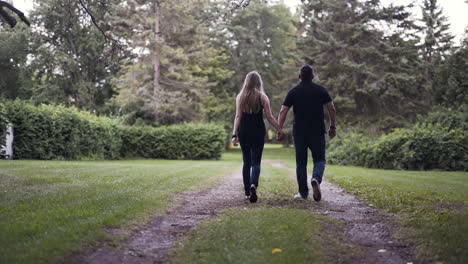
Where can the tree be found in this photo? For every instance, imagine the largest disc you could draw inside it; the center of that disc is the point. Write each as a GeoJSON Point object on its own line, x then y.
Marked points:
{"type": "Point", "coordinates": [262, 37]}
{"type": "Point", "coordinates": [451, 78]}
{"type": "Point", "coordinates": [164, 80]}
{"type": "Point", "coordinates": [72, 61]}
{"type": "Point", "coordinates": [371, 73]}
{"type": "Point", "coordinates": [437, 38]}
{"type": "Point", "coordinates": [14, 50]}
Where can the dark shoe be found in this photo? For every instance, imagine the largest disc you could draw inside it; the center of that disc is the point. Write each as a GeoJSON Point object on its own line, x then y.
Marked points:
{"type": "Point", "coordinates": [316, 189]}
{"type": "Point", "coordinates": [253, 194]}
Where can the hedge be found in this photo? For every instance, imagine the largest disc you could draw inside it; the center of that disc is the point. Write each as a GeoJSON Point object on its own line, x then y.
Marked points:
{"type": "Point", "coordinates": [58, 132]}
{"type": "Point", "coordinates": [437, 141]}
{"type": "Point", "coordinates": [191, 141]}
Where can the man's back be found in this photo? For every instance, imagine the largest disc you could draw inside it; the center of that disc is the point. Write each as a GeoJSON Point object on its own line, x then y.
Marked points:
{"type": "Point", "coordinates": [307, 100]}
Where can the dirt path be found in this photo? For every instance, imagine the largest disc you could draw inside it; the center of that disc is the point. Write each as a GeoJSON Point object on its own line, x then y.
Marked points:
{"type": "Point", "coordinates": [151, 243]}
{"type": "Point", "coordinates": [365, 226]}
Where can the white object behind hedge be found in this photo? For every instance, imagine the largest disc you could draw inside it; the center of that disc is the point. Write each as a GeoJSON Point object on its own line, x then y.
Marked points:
{"type": "Point", "coordinates": [8, 147]}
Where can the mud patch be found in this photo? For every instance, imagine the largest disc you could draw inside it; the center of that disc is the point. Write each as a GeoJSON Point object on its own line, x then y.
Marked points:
{"type": "Point", "coordinates": [151, 243]}
{"type": "Point", "coordinates": [370, 229]}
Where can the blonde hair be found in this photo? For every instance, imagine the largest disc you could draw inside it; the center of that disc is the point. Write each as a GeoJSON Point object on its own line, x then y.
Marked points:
{"type": "Point", "coordinates": [251, 92]}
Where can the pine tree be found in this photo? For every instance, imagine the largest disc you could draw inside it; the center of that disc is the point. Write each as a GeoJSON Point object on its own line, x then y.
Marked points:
{"type": "Point", "coordinates": [370, 73]}
{"type": "Point", "coordinates": [437, 38]}
{"type": "Point", "coordinates": [165, 80]}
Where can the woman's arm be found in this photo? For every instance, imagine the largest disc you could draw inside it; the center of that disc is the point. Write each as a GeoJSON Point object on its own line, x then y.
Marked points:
{"type": "Point", "coordinates": [269, 115]}
{"type": "Point", "coordinates": [237, 119]}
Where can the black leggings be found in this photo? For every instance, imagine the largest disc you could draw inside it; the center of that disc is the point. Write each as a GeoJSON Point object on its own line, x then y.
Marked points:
{"type": "Point", "coordinates": [252, 156]}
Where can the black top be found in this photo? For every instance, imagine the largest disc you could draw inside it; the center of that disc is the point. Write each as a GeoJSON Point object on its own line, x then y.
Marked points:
{"type": "Point", "coordinates": [307, 100]}
{"type": "Point", "coordinates": [252, 128]}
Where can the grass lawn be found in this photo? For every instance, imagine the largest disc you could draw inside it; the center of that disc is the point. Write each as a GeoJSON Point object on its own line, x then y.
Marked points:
{"type": "Point", "coordinates": [433, 205]}
{"type": "Point", "coordinates": [49, 209]}
{"type": "Point", "coordinates": [275, 230]}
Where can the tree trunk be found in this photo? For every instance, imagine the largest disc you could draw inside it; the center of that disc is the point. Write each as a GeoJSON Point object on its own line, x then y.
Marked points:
{"type": "Point", "coordinates": [157, 58]}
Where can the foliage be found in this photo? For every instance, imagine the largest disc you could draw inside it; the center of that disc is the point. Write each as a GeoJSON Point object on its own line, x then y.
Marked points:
{"type": "Point", "coordinates": [58, 132]}
{"type": "Point", "coordinates": [451, 78]}
{"type": "Point", "coordinates": [14, 49]}
{"type": "Point", "coordinates": [72, 62]}
{"type": "Point", "coordinates": [189, 63]}
{"type": "Point", "coordinates": [438, 141]}
{"type": "Point", "coordinates": [190, 141]}
{"type": "Point", "coordinates": [369, 72]}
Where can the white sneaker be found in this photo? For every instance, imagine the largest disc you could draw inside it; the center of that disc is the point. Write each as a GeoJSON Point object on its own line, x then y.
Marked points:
{"type": "Point", "coordinates": [298, 196]}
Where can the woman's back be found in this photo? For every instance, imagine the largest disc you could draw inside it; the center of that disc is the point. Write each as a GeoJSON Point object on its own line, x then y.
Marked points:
{"type": "Point", "coordinates": [252, 127]}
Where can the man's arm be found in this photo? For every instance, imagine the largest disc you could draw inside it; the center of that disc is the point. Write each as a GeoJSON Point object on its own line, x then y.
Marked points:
{"type": "Point", "coordinates": [332, 115]}
{"type": "Point", "coordinates": [281, 119]}
{"type": "Point", "coordinates": [282, 115]}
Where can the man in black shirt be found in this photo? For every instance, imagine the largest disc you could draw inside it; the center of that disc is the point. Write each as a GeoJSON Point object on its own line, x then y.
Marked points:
{"type": "Point", "coordinates": [307, 100]}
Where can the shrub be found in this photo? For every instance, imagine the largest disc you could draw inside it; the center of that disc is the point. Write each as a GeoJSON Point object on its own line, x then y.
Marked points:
{"type": "Point", "coordinates": [420, 148]}
{"type": "Point", "coordinates": [190, 141]}
{"type": "Point", "coordinates": [348, 148]}
{"type": "Point", "coordinates": [437, 141]}
{"type": "Point", "coordinates": [58, 132]}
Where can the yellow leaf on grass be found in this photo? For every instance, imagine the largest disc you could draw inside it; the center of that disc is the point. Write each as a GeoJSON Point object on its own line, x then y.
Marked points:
{"type": "Point", "coordinates": [276, 250]}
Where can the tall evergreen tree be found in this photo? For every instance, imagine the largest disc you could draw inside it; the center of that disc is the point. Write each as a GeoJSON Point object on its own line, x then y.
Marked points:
{"type": "Point", "coordinates": [370, 72]}
{"type": "Point", "coordinates": [167, 76]}
{"type": "Point", "coordinates": [437, 38]}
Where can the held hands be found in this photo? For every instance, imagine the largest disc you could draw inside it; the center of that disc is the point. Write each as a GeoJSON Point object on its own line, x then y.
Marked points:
{"type": "Point", "coordinates": [280, 135]}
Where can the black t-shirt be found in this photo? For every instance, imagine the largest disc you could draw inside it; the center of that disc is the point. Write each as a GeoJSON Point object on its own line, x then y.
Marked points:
{"type": "Point", "coordinates": [307, 100]}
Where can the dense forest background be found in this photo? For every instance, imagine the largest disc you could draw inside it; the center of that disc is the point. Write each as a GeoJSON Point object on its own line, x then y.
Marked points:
{"type": "Point", "coordinates": [166, 62]}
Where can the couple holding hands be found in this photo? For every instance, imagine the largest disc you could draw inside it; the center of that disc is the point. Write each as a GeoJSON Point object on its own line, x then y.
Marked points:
{"type": "Point", "coordinates": [307, 99]}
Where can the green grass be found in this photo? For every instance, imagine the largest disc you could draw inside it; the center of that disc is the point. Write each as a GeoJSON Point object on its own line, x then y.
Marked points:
{"type": "Point", "coordinates": [432, 204]}
{"type": "Point", "coordinates": [50, 209]}
{"type": "Point", "coordinates": [249, 234]}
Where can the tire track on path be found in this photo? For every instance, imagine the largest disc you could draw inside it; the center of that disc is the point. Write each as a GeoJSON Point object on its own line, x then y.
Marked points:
{"type": "Point", "coordinates": [151, 243]}
{"type": "Point", "coordinates": [365, 226]}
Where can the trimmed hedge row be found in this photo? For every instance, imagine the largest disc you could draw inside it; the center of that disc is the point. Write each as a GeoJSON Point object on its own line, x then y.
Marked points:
{"type": "Point", "coordinates": [191, 141]}
{"type": "Point", "coordinates": [58, 132]}
{"type": "Point", "coordinates": [438, 141]}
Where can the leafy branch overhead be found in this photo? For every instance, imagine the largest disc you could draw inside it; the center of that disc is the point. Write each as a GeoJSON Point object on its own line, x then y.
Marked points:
{"type": "Point", "coordinates": [10, 19]}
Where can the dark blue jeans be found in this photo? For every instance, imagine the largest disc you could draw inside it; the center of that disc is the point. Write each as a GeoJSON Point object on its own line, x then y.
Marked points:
{"type": "Point", "coordinates": [252, 156]}
{"type": "Point", "coordinates": [316, 144]}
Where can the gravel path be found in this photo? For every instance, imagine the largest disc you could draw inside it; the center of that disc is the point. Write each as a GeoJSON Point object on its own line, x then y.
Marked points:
{"type": "Point", "coordinates": [365, 226]}
{"type": "Point", "coordinates": [151, 243]}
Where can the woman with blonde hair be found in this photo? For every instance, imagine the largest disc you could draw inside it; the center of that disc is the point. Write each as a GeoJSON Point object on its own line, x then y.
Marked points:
{"type": "Point", "coordinates": [249, 130]}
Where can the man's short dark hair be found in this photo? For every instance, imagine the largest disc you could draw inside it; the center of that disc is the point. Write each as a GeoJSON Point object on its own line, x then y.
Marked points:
{"type": "Point", "coordinates": [307, 73]}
